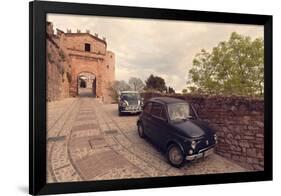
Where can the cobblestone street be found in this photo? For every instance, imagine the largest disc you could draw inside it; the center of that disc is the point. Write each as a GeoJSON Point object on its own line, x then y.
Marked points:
{"type": "Point", "coordinates": [87, 140]}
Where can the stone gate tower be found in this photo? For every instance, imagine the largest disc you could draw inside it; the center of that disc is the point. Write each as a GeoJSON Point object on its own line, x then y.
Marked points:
{"type": "Point", "coordinates": [88, 55]}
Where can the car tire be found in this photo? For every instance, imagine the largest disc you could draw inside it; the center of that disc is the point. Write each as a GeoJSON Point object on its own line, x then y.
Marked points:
{"type": "Point", "coordinates": [141, 130]}
{"type": "Point", "coordinates": [175, 155]}
{"type": "Point", "coordinates": [120, 113]}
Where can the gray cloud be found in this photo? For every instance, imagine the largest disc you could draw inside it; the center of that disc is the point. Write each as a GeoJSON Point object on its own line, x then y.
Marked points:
{"type": "Point", "coordinates": [160, 47]}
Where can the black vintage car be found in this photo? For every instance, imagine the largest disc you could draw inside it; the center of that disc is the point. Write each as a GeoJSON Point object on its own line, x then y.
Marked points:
{"type": "Point", "coordinates": [173, 125]}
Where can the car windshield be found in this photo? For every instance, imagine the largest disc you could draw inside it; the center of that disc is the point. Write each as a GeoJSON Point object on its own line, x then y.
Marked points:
{"type": "Point", "coordinates": [130, 96]}
{"type": "Point", "coordinates": [179, 111]}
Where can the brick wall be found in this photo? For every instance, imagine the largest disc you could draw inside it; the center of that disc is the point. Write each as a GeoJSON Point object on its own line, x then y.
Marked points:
{"type": "Point", "coordinates": [239, 123]}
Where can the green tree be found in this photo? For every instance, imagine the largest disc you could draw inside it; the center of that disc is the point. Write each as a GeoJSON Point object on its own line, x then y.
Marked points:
{"type": "Point", "coordinates": [170, 90]}
{"type": "Point", "coordinates": [155, 83]}
{"type": "Point", "coordinates": [234, 67]}
{"type": "Point", "coordinates": [184, 91]}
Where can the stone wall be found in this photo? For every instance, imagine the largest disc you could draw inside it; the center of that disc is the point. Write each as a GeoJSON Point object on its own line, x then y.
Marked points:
{"type": "Point", "coordinates": [58, 71]}
{"type": "Point", "coordinates": [108, 76]}
{"type": "Point", "coordinates": [239, 123]}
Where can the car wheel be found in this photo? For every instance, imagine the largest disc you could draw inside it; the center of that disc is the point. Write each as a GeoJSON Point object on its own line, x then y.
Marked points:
{"type": "Point", "coordinates": [175, 155]}
{"type": "Point", "coordinates": [141, 130]}
{"type": "Point", "coordinates": [120, 113]}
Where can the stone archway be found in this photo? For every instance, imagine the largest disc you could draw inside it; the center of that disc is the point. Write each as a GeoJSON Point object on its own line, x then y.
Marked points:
{"type": "Point", "coordinates": [86, 84]}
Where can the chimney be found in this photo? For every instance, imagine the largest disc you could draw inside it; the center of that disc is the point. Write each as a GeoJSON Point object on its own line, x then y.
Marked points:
{"type": "Point", "coordinates": [88, 31]}
{"type": "Point", "coordinates": [68, 30]}
{"type": "Point", "coordinates": [78, 31]}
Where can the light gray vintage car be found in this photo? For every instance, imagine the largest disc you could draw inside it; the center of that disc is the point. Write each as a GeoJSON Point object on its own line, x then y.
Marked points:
{"type": "Point", "coordinates": [130, 102]}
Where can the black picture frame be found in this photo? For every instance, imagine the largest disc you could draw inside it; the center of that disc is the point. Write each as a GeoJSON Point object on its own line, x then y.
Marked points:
{"type": "Point", "coordinates": [37, 96]}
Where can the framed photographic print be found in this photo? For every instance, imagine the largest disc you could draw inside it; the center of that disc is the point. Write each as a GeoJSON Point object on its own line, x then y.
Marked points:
{"type": "Point", "coordinates": [133, 97]}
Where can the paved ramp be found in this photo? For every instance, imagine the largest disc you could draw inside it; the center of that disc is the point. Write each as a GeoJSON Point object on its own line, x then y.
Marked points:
{"type": "Point", "coordinates": [87, 140]}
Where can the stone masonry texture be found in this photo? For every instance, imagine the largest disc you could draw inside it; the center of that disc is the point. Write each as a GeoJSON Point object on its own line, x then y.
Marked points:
{"type": "Point", "coordinates": [239, 123]}
{"type": "Point", "coordinates": [58, 72]}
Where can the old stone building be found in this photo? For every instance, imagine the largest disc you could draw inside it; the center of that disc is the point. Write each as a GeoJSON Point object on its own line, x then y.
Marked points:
{"type": "Point", "coordinates": [92, 65]}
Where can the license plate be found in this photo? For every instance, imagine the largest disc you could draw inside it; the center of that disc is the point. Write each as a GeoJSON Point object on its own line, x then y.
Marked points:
{"type": "Point", "coordinates": [208, 152]}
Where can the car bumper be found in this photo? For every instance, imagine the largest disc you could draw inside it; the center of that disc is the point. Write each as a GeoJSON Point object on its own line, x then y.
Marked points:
{"type": "Point", "coordinates": [202, 153]}
{"type": "Point", "coordinates": [130, 111]}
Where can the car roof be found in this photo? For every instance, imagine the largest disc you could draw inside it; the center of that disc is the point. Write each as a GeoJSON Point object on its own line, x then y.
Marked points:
{"type": "Point", "coordinates": [167, 100]}
{"type": "Point", "coordinates": [129, 92]}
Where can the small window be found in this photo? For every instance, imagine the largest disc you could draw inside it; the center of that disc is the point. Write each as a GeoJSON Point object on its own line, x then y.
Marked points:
{"type": "Point", "coordinates": [163, 114]}
{"type": "Point", "coordinates": [192, 112]}
{"type": "Point", "coordinates": [87, 47]}
{"type": "Point", "coordinates": [147, 108]}
{"type": "Point", "coordinates": [156, 109]}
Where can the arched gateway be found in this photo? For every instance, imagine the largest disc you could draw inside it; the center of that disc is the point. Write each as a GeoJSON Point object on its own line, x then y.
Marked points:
{"type": "Point", "coordinates": [92, 65]}
{"type": "Point", "coordinates": [87, 84]}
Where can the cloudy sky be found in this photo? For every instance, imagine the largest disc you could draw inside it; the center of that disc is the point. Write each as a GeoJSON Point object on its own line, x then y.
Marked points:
{"type": "Point", "coordinates": [160, 47]}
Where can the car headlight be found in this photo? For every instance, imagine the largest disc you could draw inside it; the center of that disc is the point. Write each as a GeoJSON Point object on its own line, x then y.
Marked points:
{"type": "Point", "coordinates": [216, 138]}
{"type": "Point", "coordinates": [193, 144]}
{"type": "Point", "coordinates": [124, 104]}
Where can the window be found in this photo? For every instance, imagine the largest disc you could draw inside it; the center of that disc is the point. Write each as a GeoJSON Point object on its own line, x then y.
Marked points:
{"type": "Point", "coordinates": [130, 96]}
{"type": "Point", "coordinates": [163, 114]}
{"type": "Point", "coordinates": [192, 112]}
{"type": "Point", "coordinates": [147, 108]}
{"type": "Point", "coordinates": [179, 111]}
{"type": "Point", "coordinates": [156, 109]}
{"type": "Point", "coordinates": [87, 47]}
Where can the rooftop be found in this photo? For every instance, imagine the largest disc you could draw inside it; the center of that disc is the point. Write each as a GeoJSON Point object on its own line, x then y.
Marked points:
{"type": "Point", "coordinates": [89, 34]}
{"type": "Point", "coordinates": [167, 100]}
{"type": "Point", "coordinates": [79, 33]}
{"type": "Point", "coordinates": [129, 92]}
